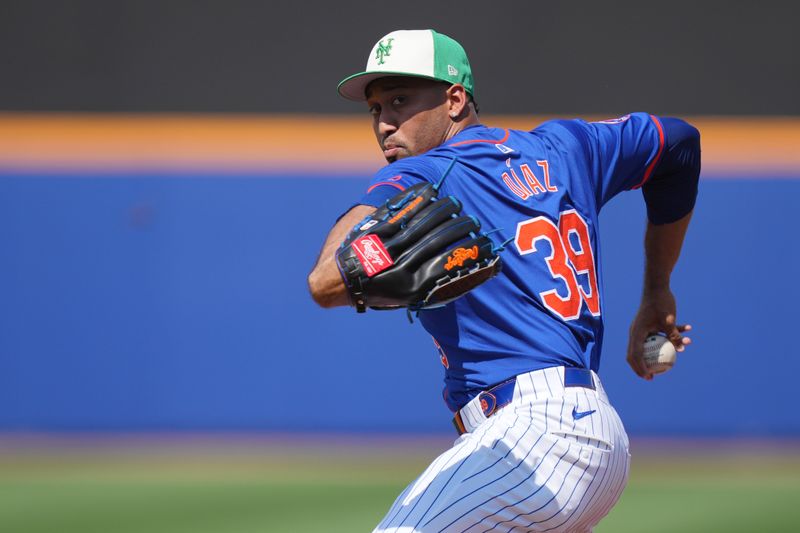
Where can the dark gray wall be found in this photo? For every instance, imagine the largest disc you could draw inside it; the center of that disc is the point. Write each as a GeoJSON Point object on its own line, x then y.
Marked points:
{"type": "Point", "coordinates": [577, 57]}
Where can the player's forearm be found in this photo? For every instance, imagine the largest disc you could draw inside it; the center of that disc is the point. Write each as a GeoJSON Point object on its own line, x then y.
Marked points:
{"type": "Point", "coordinates": [325, 282]}
{"type": "Point", "coordinates": [326, 289]}
{"type": "Point", "coordinates": [662, 246]}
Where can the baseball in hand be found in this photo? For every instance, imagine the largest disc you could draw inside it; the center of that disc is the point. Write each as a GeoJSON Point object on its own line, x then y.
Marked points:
{"type": "Point", "coordinates": [659, 353]}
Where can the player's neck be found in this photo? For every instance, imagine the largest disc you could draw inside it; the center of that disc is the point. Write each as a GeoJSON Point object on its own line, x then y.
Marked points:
{"type": "Point", "coordinates": [460, 125]}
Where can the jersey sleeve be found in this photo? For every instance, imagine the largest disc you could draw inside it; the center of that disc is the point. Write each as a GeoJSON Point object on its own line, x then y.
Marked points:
{"type": "Point", "coordinates": [397, 177]}
{"type": "Point", "coordinates": [623, 152]}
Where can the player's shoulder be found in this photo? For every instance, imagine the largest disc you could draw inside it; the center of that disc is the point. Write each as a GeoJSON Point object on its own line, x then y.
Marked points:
{"type": "Point", "coordinates": [575, 127]}
{"type": "Point", "coordinates": [581, 125]}
{"type": "Point", "coordinates": [565, 133]}
{"type": "Point", "coordinates": [583, 132]}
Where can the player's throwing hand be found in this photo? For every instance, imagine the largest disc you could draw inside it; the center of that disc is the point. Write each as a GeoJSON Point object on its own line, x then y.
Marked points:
{"type": "Point", "coordinates": [656, 314]}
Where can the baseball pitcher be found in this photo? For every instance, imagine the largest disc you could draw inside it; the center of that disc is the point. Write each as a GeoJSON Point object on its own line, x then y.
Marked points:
{"type": "Point", "coordinates": [490, 236]}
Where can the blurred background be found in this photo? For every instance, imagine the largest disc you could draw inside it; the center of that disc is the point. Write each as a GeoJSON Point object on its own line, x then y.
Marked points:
{"type": "Point", "coordinates": [168, 172]}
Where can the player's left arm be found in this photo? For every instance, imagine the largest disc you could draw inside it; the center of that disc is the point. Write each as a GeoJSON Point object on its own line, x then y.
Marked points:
{"type": "Point", "coordinates": [670, 197]}
{"type": "Point", "coordinates": [325, 282]}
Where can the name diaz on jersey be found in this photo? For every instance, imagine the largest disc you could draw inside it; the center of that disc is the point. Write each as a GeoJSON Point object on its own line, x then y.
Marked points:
{"type": "Point", "coordinates": [531, 186]}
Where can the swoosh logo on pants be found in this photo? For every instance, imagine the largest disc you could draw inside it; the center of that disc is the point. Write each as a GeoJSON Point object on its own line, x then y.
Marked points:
{"type": "Point", "coordinates": [577, 415]}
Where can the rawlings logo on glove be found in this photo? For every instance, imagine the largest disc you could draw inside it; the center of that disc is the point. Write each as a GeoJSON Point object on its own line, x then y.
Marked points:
{"type": "Point", "coordinates": [459, 256]}
{"type": "Point", "coordinates": [372, 254]}
{"type": "Point", "coordinates": [415, 252]}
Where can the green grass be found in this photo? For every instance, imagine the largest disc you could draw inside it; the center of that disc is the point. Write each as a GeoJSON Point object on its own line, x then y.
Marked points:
{"type": "Point", "coordinates": [739, 493]}
{"type": "Point", "coordinates": [180, 507]}
{"type": "Point", "coordinates": [298, 489]}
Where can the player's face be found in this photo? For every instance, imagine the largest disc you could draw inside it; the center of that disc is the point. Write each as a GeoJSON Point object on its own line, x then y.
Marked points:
{"type": "Point", "coordinates": [409, 115]}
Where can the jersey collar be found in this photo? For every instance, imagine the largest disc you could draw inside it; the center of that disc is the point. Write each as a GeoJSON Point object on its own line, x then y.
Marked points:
{"type": "Point", "coordinates": [478, 133]}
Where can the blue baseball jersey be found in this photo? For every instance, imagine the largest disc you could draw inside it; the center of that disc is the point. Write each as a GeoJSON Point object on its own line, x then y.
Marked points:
{"type": "Point", "coordinates": [542, 190]}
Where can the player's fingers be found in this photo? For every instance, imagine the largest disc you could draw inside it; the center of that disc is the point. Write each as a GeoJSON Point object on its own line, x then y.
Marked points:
{"type": "Point", "coordinates": [644, 373]}
{"type": "Point", "coordinates": [634, 361]}
{"type": "Point", "coordinates": [683, 328]}
{"type": "Point", "coordinates": [673, 332]}
{"type": "Point", "coordinates": [677, 340]}
{"type": "Point", "coordinates": [635, 357]}
{"type": "Point", "coordinates": [638, 367]}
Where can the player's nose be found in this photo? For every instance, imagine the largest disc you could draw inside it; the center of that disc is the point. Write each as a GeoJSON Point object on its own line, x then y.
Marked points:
{"type": "Point", "coordinates": [386, 128]}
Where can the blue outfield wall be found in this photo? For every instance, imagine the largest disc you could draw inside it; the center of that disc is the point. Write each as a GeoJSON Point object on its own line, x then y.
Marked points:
{"type": "Point", "coordinates": [179, 303]}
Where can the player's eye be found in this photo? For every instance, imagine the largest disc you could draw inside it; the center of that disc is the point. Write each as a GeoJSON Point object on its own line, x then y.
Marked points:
{"type": "Point", "coordinates": [375, 110]}
{"type": "Point", "coordinates": [398, 100]}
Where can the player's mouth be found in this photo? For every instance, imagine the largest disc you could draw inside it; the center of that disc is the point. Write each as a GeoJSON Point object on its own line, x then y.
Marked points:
{"type": "Point", "coordinates": [391, 151]}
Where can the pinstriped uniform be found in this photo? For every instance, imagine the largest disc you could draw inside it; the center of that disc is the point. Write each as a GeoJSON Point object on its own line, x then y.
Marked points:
{"type": "Point", "coordinates": [532, 466]}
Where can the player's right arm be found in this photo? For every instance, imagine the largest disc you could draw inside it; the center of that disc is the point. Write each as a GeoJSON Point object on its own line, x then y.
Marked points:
{"type": "Point", "coordinates": [657, 310]}
{"type": "Point", "coordinates": [670, 197]}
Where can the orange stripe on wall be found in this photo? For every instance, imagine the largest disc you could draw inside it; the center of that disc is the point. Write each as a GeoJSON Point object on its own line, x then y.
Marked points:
{"type": "Point", "coordinates": [732, 146]}
{"type": "Point", "coordinates": [66, 142]}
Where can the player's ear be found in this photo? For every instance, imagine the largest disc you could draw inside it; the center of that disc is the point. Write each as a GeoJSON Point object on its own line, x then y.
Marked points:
{"type": "Point", "coordinates": [457, 100]}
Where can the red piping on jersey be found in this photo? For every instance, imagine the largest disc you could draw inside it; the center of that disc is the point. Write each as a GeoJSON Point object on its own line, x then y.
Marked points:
{"type": "Point", "coordinates": [386, 183]}
{"type": "Point", "coordinates": [501, 141]}
{"type": "Point", "coordinates": [655, 161]}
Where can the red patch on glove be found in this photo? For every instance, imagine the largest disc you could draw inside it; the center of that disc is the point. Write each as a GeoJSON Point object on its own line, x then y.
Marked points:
{"type": "Point", "coordinates": [372, 254]}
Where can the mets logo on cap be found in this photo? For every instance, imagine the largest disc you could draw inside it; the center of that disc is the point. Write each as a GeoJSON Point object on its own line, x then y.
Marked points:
{"type": "Point", "coordinates": [383, 49]}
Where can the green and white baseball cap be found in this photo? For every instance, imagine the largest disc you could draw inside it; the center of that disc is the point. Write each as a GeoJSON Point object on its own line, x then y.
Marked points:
{"type": "Point", "coordinates": [418, 53]}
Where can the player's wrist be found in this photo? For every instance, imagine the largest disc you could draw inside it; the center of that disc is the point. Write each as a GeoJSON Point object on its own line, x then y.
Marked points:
{"type": "Point", "coordinates": [656, 282]}
{"type": "Point", "coordinates": [656, 287]}
{"type": "Point", "coordinates": [326, 289]}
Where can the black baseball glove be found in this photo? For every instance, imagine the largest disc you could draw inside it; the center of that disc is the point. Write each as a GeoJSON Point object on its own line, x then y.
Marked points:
{"type": "Point", "coordinates": [415, 252]}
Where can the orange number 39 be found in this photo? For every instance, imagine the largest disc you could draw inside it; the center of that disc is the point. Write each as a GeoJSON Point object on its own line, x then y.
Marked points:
{"type": "Point", "coordinates": [566, 262]}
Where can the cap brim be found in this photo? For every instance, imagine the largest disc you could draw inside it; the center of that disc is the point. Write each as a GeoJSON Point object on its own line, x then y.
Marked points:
{"type": "Point", "coordinates": [354, 87]}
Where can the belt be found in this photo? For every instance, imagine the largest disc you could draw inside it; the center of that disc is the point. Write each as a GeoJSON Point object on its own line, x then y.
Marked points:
{"type": "Point", "coordinates": [500, 395]}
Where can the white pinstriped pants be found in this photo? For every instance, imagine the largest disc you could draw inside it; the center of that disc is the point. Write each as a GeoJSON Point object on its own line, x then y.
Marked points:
{"type": "Point", "coordinates": [530, 467]}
